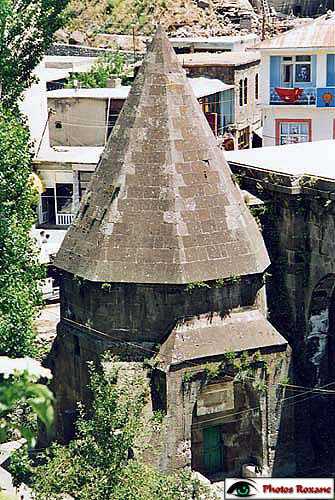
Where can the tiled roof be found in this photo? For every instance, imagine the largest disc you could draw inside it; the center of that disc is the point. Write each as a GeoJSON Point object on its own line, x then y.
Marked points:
{"type": "Point", "coordinates": [161, 206]}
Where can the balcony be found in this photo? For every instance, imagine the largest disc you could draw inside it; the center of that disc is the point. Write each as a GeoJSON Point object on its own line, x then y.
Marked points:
{"type": "Point", "coordinates": [296, 97]}
{"type": "Point", "coordinates": [64, 219]}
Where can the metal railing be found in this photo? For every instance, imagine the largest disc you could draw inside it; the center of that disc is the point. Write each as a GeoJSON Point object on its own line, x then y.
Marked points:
{"type": "Point", "coordinates": [308, 97]}
{"type": "Point", "coordinates": [64, 219]}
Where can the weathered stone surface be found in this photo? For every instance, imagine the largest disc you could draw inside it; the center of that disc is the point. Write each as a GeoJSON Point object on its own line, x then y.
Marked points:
{"type": "Point", "coordinates": [62, 36]}
{"type": "Point", "coordinates": [161, 207]}
{"type": "Point", "coordinates": [124, 42]}
{"type": "Point", "coordinates": [77, 38]}
{"type": "Point", "coordinates": [203, 4]}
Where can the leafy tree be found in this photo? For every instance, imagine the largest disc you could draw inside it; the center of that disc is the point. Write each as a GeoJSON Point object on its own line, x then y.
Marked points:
{"type": "Point", "coordinates": [18, 382]}
{"type": "Point", "coordinates": [106, 66]}
{"type": "Point", "coordinates": [96, 465]}
{"type": "Point", "coordinates": [19, 267]}
{"type": "Point", "coordinates": [26, 31]}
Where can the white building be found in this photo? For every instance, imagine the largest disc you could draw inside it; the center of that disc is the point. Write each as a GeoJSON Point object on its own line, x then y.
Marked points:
{"type": "Point", "coordinates": [298, 84]}
{"type": "Point", "coordinates": [314, 159]}
{"type": "Point", "coordinates": [85, 117]}
{"type": "Point", "coordinates": [233, 43]}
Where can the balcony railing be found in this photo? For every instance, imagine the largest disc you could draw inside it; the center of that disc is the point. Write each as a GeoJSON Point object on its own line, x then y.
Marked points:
{"type": "Point", "coordinates": [64, 219]}
{"type": "Point", "coordinates": [308, 97]}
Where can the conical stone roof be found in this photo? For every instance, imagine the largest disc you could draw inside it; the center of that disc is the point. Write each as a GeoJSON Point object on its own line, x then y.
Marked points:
{"type": "Point", "coordinates": [161, 206]}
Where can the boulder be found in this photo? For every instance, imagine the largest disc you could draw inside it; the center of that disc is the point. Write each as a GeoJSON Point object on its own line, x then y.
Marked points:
{"type": "Point", "coordinates": [203, 4]}
{"type": "Point", "coordinates": [124, 42]}
{"type": "Point", "coordinates": [77, 38]}
{"type": "Point", "coordinates": [62, 36]}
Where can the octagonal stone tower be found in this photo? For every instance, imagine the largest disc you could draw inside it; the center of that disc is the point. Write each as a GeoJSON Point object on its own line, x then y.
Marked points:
{"type": "Point", "coordinates": [160, 218]}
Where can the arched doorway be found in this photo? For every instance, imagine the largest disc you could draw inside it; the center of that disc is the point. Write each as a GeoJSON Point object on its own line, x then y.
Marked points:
{"type": "Point", "coordinates": [319, 407]}
{"type": "Point", "coordinates": [320, 328]}
{"type": "Point", "coordinates": [226, 433]}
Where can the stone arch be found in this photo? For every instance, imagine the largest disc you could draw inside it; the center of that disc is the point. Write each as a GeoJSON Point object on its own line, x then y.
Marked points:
{"type": "Point", "coordinates": [225, 434]}
{"type": "Point", "coordinates": [319, 335]}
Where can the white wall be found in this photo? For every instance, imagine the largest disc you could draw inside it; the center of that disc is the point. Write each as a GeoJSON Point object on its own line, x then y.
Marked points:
{"type": "Point", "coordinates": [322, 121]}
{"type": "Point", "coordinates": [82, 120]}
{"type": "Point", "coordinates": [34, 107]}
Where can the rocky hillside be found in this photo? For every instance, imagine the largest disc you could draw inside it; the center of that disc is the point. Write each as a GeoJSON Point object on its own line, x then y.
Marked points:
{"type": "Point", "coordinates": [92, 18]}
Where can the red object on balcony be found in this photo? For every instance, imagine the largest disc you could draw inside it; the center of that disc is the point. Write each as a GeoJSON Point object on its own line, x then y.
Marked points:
{"type": "Point", "coordinates": [290, 96]}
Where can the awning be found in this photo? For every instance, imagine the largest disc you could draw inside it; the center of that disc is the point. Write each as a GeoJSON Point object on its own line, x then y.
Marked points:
{"type": "Point", "coordinates": [259, 132]}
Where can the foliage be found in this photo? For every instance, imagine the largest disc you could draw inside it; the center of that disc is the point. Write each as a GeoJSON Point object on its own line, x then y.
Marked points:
{"type": "Point", "coordinates": [95, 465]}
{"type": "Point", "coordinates": [108, 65]}
{"type": "Point", "coordinates": [190, 287]}
{"type": "Point", "coordinates": [20, 466]}
{"type": "Point", "coordinates": [115, 16]}
{"type": "Point", "coordinates": [106, 287]}
{"type": "Point", "coordinates": [229, 356]}
{"type": "Point", "coordinates": [261, 386]}
{"type": "Point", "coordinates": [307, 181]}
{"type": "Point", "coordinates": [19, 384]}
{"type": "Point", "coordinates": [219, 283]}
{"type": "Point", "coordinates": [20, 271]}
{"type": "Point", "coordinates": [284, 381]}
{"type": "Point", "coordinates": [188, 376]}
{"type": "Point", "coordinates": [26, 31]}
{"type": "Point", "coordinates": [212, 370]}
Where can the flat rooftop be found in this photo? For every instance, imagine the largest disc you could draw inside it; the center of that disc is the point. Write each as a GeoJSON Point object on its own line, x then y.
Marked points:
{"type": "Point", "coordinates": [308, 158]}
{"type": "Point", "coordinates": [201, 87]}
{"type": "Point", "coordinates": [66, 154]}
{"type": "Point", "coordinates": [237, 58]}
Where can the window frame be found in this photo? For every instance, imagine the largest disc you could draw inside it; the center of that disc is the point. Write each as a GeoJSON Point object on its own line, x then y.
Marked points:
{"type": "Point", "coordinates": [245, 91]}
{"type": "Point", "coordinates": [292, 61]}
{"type": "Point", "coordinates": [279, 121]}
{"type": "Point", "coordinates": [240, 89]}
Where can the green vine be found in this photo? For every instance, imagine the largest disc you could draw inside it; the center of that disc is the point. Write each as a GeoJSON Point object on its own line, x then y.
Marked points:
{"type": "Point", "coordinates": [190, 287]}
{"type": "Point", "coordinates": [106, 287]}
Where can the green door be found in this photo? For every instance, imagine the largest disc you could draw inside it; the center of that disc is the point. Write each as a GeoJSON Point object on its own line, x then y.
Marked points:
{"type": "Point", "coordinates": [213, 449]}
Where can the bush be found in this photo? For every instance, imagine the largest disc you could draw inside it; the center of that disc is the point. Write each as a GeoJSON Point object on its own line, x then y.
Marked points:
{"type": "Point", "coordinates": [107, 65]}
{"type": "Point", "coordinates": [96, 464]}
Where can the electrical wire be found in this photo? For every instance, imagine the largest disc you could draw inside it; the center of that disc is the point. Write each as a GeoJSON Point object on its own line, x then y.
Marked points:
{"type": "Point", "coordinates": [310, 391]}
{"type": "Point", "coordinates": [152, 351]}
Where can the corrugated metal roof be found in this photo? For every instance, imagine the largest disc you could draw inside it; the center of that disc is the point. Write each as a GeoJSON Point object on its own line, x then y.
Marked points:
{"type": "Point", "coordinates": [317, 34]}
{"type": "Point", "coordinates": [218, 59]}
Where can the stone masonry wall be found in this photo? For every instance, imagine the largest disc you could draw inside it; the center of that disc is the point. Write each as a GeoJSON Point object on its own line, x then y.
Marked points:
{"type": "Point", "coordinates": [299, 233]}
{"type": "Point", "coordinates": [148, 312]}
{"type": "Point", "coordinates": [263, 435]}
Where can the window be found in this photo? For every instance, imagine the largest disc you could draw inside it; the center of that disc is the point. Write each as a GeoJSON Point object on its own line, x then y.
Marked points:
{"type": "Point", "coordinates": [257, 87]}
{"type": "Point", "coordinates": [64, 193]}
{"type": "Point", "coordinates": [292, 132]}
{"type": "Point", "coordinates": [296, 69]}
{"type": "Point", "coordinates": [243, 138]}
{"type": "Point", "coordinates": [241, 92]}
{"type": "Point", "coordinates": [246, 91]}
